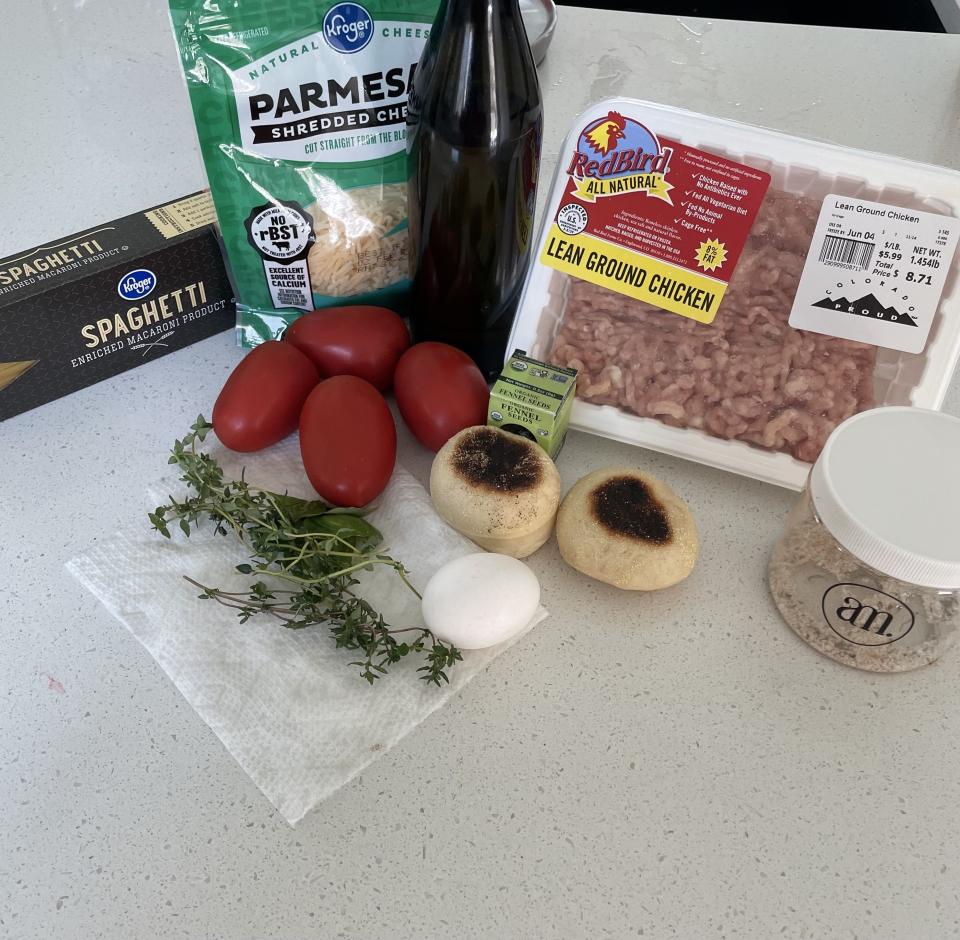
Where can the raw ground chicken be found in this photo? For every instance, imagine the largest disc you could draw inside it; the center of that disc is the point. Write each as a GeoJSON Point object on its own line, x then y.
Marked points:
{"type": "Point", "coordinates": [748, 376]}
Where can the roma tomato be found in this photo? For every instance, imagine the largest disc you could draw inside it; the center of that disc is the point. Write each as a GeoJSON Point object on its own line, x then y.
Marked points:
{"type": "Point", "coordinates": [439, 391]}
{"type": "Point", "coordinates": [361, 341]}
{"type": "Point", "coordinates": [261, 401]}
{"type": "Point", "coordinates": [348, 441]}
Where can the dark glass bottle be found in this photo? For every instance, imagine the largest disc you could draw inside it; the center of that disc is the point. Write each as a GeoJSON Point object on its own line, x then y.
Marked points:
{"type": "Point", "coordinates": [473, 135]}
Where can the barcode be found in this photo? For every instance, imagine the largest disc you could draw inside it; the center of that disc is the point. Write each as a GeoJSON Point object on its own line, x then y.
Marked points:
{"type": "Point", "coordinates": [846, 252]}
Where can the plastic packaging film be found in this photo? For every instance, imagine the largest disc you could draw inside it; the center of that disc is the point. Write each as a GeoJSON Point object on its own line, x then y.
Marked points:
{"type": "Point", "coordinates": [753, 385]}
{"type": "Point", "coordinates": [285, 703]}
{"type": "Point", "coordinates": [300, 111]}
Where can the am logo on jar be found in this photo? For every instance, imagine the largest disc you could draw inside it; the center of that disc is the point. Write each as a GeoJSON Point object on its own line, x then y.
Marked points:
{"type": "Point", "coordinates": [866, 616]}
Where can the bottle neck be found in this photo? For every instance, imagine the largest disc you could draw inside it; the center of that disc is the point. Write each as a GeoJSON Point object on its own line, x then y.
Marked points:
{"type": "Point", "coordinates": [477, 76]}
{"type": "Point", "coordinates": [473, 11]}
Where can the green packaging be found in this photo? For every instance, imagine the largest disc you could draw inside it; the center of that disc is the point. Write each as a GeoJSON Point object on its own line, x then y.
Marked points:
{"type": "Point", "coordinates": [301, 107]}
{"type": "Point", "coordinates": [533, 399]}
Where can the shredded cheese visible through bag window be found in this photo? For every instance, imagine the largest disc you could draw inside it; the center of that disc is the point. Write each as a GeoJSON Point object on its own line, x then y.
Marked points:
{"type": "Point", "coordinates": [361, 240]}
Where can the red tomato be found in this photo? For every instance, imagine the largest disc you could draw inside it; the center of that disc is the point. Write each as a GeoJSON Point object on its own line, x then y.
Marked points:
{"type": "Point", "coordinates": [261, 401]}
{"type": "Point", "coordinates": [439, 391]}
{"type": "Point", "coordinates": [361, 341]}
{"type": "Point", "coordinates": [348, 441]}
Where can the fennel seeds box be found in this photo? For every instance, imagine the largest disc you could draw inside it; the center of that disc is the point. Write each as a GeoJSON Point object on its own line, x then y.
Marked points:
{"type": "Point", "coordinates": [88, 306]}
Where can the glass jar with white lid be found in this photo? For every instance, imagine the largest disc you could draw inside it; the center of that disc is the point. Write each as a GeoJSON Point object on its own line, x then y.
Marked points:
{"type": "Point", "coordinates": [868, 569]}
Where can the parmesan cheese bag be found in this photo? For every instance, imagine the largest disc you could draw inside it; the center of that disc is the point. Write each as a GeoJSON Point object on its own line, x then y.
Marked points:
{"type": "Point", "coordinates": [301, 109]}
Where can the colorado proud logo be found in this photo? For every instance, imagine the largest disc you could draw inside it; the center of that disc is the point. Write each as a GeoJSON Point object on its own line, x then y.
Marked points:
{"type": "Point", "coordinates": [347, 27]}
{"type": "Point", "coordinates": [616, 155]}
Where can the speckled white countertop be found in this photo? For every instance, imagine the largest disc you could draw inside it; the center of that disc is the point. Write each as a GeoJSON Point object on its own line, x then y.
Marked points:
{"type": "Point", "coordinates": [676, 765]}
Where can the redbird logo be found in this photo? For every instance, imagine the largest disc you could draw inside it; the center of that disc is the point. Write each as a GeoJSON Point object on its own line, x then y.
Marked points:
{"type": "Point", "coordinates": [615, 145]}
{"type": "Point", "coordinates": [603, 138]}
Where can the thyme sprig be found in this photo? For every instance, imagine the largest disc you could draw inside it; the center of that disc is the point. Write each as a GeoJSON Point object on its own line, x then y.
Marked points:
{"type": "Point", "coordinates": [314, 550]}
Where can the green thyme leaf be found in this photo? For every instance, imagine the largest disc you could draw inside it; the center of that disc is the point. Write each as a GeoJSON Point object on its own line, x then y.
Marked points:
{"type": "Point", "coordinates": [310, 548]}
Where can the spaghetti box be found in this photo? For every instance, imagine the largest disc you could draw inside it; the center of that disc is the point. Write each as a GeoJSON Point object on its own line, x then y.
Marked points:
{"type": "Point", "coordinates": [87, 306]}
{"type": "Point", "coordinates": [533, 399]}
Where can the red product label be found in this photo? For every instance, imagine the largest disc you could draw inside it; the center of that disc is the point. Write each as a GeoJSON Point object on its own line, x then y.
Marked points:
{"type": "Point", "coordinates": [652, 218]}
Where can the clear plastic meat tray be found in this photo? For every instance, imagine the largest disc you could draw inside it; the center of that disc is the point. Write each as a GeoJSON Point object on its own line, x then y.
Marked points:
{"type": "Point", "coordinates": [802, 174]}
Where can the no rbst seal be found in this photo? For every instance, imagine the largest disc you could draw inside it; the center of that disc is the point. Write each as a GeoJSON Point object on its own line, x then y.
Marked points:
{"type": "Point", "coordinates": [282, 232]}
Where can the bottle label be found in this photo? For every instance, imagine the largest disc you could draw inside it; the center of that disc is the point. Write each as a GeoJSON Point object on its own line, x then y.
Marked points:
{"type": "Point", "coordinates": [651, 218]}
{"type": "Point", "coordinates": [865, 616]}
{"type": "Point", "coordinates": [875, 273]}
{"type": "Point", "coordinates": [338, 95]}
{"type": "Point", "coordinates": [527, 188]}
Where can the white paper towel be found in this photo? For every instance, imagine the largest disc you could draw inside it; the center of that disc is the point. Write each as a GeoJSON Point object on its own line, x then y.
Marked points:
{"type": "Point", "coordinates": [298, 719]}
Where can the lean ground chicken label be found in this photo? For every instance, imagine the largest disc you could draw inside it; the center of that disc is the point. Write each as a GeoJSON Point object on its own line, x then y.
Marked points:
{"type": "Point", "coordinates": [651, 218]}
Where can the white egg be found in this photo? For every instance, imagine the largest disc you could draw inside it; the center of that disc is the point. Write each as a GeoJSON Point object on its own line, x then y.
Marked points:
{"type": "Point", "coordinates": [477, 601]}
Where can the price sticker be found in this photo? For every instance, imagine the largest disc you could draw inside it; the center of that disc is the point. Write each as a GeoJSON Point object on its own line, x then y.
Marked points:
{"type": "Point", "coordinates": [875, 273]}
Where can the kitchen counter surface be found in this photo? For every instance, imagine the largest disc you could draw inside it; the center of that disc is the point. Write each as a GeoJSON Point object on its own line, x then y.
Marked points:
{"type": "Point", "coordinates": [677, 765]}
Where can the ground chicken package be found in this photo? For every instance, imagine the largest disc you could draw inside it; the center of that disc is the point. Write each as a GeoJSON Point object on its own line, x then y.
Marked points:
{"type": "Point", "coordinates": [730, 294]}
{"type": "Point", "coordinates": [301, 113]}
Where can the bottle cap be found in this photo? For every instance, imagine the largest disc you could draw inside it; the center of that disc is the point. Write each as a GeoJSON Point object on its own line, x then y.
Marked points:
{"type": "Point", "coordinates": [887, 486]}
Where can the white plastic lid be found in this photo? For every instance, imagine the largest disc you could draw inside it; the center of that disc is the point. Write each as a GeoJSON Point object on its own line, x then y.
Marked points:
{"type": "Point", "coordinates": [887, 486]}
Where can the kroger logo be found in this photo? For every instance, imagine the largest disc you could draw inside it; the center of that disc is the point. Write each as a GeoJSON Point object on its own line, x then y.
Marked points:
{"type": "Point", "coordinates": [347, 27]}
{"type": "Point", "coordinates": [137, 284]}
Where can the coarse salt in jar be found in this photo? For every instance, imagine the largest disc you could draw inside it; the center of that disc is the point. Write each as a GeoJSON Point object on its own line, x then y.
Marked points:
{"type": "Point", "coordinates": [868, 569]}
